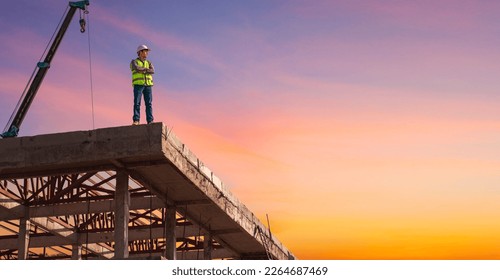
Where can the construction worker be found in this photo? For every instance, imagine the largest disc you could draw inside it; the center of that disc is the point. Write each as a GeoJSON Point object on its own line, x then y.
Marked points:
{"type": "Point", "coordinates": [142, 80]}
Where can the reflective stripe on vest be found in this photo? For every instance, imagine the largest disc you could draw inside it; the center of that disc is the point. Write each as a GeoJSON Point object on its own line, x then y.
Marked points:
{"type": "Point", "coordinates": [141, 78]}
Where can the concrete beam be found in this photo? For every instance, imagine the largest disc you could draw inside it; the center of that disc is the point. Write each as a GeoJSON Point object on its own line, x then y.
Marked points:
{"type": "Point", "coordinates": [16, 210]}
{"type": "Point", "coordinates": [9, 204]}
{"type": "Point", "coordinates": [190, 255]}
{"type": "Point", "coordinates": [59, 228]}
{"type": "Point", "coordinates": [38, 241]}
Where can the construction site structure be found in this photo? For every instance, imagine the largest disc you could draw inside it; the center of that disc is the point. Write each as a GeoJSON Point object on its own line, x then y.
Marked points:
{"type": "Point", "coordinates": [131, 192]}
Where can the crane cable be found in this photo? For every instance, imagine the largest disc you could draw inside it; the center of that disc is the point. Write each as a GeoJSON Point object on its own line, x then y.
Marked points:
{"type": "Point", "coordinates": [83, 25]}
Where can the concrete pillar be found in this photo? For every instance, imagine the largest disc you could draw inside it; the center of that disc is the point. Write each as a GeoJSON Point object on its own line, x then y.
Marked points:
{"type": "Point", "coordinates": [170, 246]}
{"type": "Point", "coordinates": [76, 251]}
{"type": "Point", "coordinates": [207, 247]}
{"type": "Point", "coordinates": [23, 238]}
{"type": "Point", "coordinates": [122, 205]}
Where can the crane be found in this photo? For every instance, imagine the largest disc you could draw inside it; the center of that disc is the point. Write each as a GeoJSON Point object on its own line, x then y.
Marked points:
{"type": "Point", "coordinates": [12, 128]}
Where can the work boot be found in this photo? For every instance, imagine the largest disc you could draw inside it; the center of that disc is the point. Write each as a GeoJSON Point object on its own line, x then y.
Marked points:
{"type": "Point", "coordinates": [135, 123]}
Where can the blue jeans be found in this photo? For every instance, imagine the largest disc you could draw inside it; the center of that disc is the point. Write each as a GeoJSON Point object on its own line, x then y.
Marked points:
{"type": "Point", "coordinates": [148, 99]}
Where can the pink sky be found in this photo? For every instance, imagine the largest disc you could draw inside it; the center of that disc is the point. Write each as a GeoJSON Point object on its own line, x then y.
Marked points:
{"type": "Point", "coordinates": [364, 130]}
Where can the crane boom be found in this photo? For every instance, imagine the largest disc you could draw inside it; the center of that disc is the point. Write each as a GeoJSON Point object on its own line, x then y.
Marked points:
{"type": "Point", "coordinates": [43, 66]}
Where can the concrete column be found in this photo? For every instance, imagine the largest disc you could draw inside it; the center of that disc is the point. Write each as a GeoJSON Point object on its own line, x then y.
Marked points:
{"type": "Point", "coordinates": [122, 205]}
{"type": "Point", "coordinates": [24, 237]}
{"type": "Point", "coordinates": [170, 221]}
{"type": "Point", "coordinates": [76, 250]}
{"type": "Point", "coordinates": [207, 247]}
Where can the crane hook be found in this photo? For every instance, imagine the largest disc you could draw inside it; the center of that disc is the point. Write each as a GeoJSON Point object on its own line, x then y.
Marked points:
{"type": "Point", "coordinates": [82, 25]}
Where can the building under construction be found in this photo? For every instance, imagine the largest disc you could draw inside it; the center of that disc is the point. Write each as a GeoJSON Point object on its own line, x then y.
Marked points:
{"type": "Point", "coordinates": [132, 192]}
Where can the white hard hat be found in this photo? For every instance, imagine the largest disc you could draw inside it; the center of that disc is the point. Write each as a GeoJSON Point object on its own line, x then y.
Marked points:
{"type": "Point", "coordinates": [142, 47]}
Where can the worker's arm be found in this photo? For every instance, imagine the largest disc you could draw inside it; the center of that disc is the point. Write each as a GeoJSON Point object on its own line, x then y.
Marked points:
{"type": "Point", "coordinates": [150, 70]}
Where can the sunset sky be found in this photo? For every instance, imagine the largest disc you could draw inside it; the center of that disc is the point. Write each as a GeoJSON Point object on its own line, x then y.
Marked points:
{"type": "Point", "coordinates": [364, 129]}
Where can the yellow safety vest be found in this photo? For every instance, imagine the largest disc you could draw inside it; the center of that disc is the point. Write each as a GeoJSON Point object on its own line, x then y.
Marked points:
{"type": "Point", "coordinates": [142, 79]}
